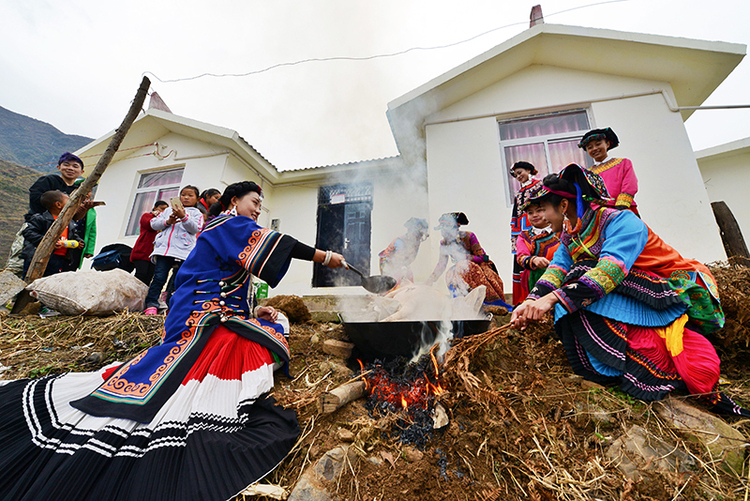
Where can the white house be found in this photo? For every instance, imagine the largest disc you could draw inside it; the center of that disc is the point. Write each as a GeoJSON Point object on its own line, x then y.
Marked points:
{"type": "Point", "coordinates": [531, 98]}
{"type": "Point", "coordinates": [726, 176]}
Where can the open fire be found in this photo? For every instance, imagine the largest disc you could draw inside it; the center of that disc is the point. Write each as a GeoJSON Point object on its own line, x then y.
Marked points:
{"type": "Point", "coordinates": [408, 390]}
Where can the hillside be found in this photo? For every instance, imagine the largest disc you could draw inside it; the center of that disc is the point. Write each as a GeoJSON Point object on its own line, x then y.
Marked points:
{"type": "Point", "coordinates": [30, 142]}
{"type": "Point", "coordinates": [14, 185]}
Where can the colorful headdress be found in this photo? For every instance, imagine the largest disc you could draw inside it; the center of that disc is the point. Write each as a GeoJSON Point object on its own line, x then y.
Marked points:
{"type": "Point", "coordinates": [534, 195]}
{"type": "Point", "coordinates": [596, 134]}
{"type": "Point", "coordinates": [584, 186]}
{"type": "Point", "coordinates": [452, 219]}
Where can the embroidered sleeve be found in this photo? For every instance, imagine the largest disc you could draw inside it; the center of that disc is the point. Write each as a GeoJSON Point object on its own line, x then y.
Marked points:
{"type": "Point", "coordinates": [624, 239]}
{"type": "Point", "coordinates": [629, 185]}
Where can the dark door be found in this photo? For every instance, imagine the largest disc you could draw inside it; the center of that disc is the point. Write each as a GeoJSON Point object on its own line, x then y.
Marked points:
{"type": "Point", "coordinates": [344, 226]}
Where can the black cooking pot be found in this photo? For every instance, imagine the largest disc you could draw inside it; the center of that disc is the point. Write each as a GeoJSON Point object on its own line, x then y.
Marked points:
{"type": "Point", "coordinates": [389, 340]}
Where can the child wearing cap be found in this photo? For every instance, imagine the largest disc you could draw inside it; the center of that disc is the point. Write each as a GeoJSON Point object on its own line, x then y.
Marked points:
{"type": "Point", "coordinates": [618, 173]}
{"type": "Point", "coordinates": [536, 246]}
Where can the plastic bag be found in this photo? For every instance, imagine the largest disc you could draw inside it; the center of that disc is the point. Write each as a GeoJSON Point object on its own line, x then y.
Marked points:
{"type": "Point", "coordinates": [90, 292]}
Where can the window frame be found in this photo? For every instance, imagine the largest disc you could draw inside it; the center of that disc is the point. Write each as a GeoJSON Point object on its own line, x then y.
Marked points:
{"type": "Point", "coordinates": [545, 139]}
{"type": "Point", "coordinates": [158, 188]}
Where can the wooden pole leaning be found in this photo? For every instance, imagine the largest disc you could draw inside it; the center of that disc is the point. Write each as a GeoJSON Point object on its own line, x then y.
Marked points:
{"type": "Point", "coordinates": [47, 245]}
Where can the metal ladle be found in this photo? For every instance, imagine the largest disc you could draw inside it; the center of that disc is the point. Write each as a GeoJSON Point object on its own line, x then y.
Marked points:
{"type": "Point", "coordinates": [377, 284]}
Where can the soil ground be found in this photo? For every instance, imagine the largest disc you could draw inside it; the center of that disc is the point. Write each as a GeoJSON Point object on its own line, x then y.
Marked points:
{"type": "Point", "coordinates": [522, 425]}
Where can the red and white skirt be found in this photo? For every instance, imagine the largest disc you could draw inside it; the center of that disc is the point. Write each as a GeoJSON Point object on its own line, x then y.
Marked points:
{"type": "Point", "coordinates": [217, 434]}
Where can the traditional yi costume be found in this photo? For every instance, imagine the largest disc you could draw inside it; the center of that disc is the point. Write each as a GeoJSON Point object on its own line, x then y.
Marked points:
{"type": "Point", "coordinates": [631, 309]}
{"type": "Point", "coordinates": [472, 267]}
{"type": "Point", "coordinates": [534, 242]}
{"type": "Point", "coordinates": [518, 224]}
{"type": "Point", "coordinates": [617, 173]}
{"type": "Point", "coordinates": [187, 419]}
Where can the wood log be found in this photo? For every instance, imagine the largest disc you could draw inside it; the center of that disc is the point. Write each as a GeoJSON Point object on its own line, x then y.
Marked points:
{"type": "Point", "coordinates": [731, 235]}
{"type": "Point", "coordinates": [338, 397]}
{"type": "Point", "coordinates": [47, 245]}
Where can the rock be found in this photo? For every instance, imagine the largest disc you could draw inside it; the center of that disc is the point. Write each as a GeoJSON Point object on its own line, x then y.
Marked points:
{"type": "Point", "coordinates": [337, 348]}
{"type": "Point", "coordinates": [439, 417]}
{"type": "Point", "coordinates": [314, 339]}
{"type": "Point", "coordinates": [339, 369]}
{"type": "Point", "coordinates": [328, 468]}
{"type": "Point", "coordinates": [345, 435]}
{"type": "Point", "coordinates": [594, 412]}
{"type": "Point", "coordinates": [292, 306]}
{"type": "Point", "coordinates": [10, 286]}
{"type": "Point", "coordinates": [375, 460]}
{"type": "Point", "coordinates": [95, 357]}
{"type": "Point", "coordinates": [638, 450]}
{"type": "Point", "coordinates": [717, 436]}
{"type": "Point", "coordinates": [412, 455]}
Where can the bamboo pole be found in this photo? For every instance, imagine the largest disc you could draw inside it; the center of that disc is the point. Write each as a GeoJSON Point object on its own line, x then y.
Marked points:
{"type": "Point", "coordinates": [47, 245]}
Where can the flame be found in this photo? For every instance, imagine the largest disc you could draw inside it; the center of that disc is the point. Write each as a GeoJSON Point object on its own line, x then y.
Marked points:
{"type": "Point", "coordinates": [404, 405]}
{"type": "Point", "coordinates": [361, 371]}
{"type": "Point", "coordinates": [434, 361]}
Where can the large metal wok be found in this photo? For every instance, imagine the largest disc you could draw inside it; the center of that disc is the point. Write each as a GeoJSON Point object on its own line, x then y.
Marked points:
{"type": "Point", "coordinates": [389, 340]}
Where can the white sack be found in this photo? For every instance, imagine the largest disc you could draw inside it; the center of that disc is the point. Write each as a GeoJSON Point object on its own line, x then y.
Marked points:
{"type": "Point", "coordinates": [90, 292]}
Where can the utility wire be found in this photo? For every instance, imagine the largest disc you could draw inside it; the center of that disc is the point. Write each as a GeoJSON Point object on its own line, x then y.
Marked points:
{"type": "Point", "coordinates": [366, 58]}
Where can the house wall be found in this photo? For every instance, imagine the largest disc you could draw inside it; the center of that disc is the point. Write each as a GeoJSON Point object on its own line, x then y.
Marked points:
{"type": "Point", "coordinates": [397, 195]}
{"type": "Point", "coordinates": [726, 179]}
{"type": "Point", "coordinates": [465, 168]}
{"type": "Point", "coordinates": [203, 164]}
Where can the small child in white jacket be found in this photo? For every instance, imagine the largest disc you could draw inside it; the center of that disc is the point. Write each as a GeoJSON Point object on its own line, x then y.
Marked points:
{"type": "Point", "coordinates": [178, 229]}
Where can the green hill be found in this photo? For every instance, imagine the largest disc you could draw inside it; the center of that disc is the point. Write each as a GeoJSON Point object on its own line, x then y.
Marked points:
{"type": "Point", "coordinates": [14, 202]}
{"type": "Point", "coordinates": [30, 142]}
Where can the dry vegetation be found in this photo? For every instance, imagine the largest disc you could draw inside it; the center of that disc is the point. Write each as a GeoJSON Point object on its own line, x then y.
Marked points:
{"type": "Point", "coordinates": [522, 425]}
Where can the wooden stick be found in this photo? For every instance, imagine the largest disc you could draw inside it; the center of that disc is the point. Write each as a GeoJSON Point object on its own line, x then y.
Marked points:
{"type": "Point", "coordinates": [340, 396]}
{"type": "Point", "coordinates": [47, 245]}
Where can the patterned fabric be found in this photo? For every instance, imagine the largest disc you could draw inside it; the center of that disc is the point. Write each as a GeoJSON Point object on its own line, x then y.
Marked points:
{"type": "Point", "coordinates": [620, 179]}
{"type": "Point", "coordinates": [212, 289]}
{"type": "Point", "coordinates": [473, 267]}
{"type": "Point", "coordinates": [518, 221]}
{"type": "Point", "coordinates": [597, 189]}
{"type": "Point", "coordinates": [628, 307]}
{"type": "Point", "coordinates": [530, 245]}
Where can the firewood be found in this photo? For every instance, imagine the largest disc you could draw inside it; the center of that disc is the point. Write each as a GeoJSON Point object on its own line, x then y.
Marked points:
{"type": "Point", "coordinates": [338, 397]}
{"type": "Point", "coordinates": [338, 348]}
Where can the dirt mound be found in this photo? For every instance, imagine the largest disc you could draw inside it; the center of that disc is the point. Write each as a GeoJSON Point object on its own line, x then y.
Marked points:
{"type": "Point", "coordinates": [293, 306]}
{"type": "Point", "coordinates": [522, 425]}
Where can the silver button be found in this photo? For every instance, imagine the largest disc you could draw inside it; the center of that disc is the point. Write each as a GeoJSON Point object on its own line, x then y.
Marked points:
{"type": "Point", "coordinates": [223, 294]}
{"type": "Point", "coordinates": [223, 319]}
{"type": "Point", "coordinates": [221, 303]}
{"type": "Point", "coordinates": [222, 284]}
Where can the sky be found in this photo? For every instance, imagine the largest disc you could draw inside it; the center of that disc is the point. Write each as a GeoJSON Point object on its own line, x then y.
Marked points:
{"type": "Point", "coordinates": [77, 64]}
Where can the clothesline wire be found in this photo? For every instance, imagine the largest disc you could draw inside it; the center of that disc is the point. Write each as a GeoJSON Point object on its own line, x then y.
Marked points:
{"type": "Point", "coordinates": [366, 58]}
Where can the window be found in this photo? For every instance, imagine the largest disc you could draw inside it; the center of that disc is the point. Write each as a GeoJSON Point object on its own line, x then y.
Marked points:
{"type": "Point", "coordinates": [152, 187]}
{"type": "Point", "coordinates": [549, 142]}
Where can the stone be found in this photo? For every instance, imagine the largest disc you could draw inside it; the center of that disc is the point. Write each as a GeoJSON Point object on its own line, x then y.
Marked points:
{"type": "Point", "coordinates": [340, 349]}
{"type": "Point", "coordinates": [375, 460]}
{"type": "Point", "coordinates": [439, 417]}
{"type": "Point", "coordinates": [328, 468]}
{"type": "Point", "coordinates": [721, 440]}
{"type": "Point", "coordinates": [314, 339]}
{"type": "Point", "coordinates": [639, 450]}
{"type": "Point", "coordinates": [412, 454]}
{"type": "Point", "coordinates": [292, 306]}
{"type": "Point", "coordinates": [345, 435]}
{"type": "Point", "coordinates": [95, 357]}
{"type": "Point", "coordinates": [10, 286]}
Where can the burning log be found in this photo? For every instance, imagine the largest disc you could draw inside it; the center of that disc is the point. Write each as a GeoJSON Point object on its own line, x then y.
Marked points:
{"type": "Point", "coordinates": [338, 397]}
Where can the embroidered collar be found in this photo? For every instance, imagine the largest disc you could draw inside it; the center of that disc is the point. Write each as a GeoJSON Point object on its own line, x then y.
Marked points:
{"type": "Point", "coordinates": [608, 159]}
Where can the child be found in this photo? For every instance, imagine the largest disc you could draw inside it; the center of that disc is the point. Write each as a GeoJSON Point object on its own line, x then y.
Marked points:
{"type": "Point", "coordinates": [140, 256]}
{"type": "Point", "coordinates": [178, 229]}
{"type": "Point", "coordinates": [63, 258]}
{"type": "Point", "coordinates": [207, 199]}
{"type": "Point", "coordinates": [523, 172]}
{"type": "Point", "coordinates": [536, 246]}
{"type": "Point", "coordinates": [618, 174]}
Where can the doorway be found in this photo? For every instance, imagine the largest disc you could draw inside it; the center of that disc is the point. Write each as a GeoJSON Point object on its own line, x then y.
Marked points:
{"type": "Point", "coordinates": [344, 226]}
